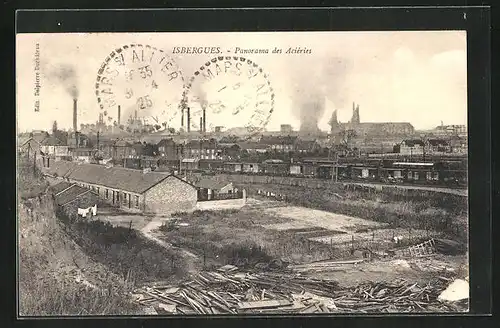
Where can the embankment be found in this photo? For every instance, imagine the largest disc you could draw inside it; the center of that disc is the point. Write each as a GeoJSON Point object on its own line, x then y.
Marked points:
{"type": "Point", "coordinates": [55, 276]}
{"type": "Point", "coordinates": [78, 267]}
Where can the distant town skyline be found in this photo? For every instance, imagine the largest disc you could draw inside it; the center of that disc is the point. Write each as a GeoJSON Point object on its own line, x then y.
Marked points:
{"type": "Point", "coordinates": [417, 77]}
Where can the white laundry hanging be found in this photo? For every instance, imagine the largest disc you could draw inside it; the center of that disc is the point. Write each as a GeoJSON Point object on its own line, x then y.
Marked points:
{"type": "Point", "coordinates": [83, 211]}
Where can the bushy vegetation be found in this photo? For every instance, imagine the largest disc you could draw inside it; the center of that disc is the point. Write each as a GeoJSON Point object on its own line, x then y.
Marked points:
{"type": "Point", "coordinates": [30, 182]}
{"type": "Point", "coordinates": [126, 252]}
{"type": "Point", "coordinates": [46, 296]}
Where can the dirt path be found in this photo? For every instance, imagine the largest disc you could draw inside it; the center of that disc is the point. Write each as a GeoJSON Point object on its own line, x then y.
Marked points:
{"type": "Point", "coordinates": [193, 261]}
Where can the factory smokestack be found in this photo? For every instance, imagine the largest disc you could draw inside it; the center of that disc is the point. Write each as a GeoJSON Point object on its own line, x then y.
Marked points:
{"type": "Point", "coordinates": [201, 124]}
{"type": "Point", "coordinates": [188, 120]}
{"type": "Point", "coordinates": [119, 114]}
{"type": "Point", "coordinates": [75, 113]}
{"type": "Point", "coordinates": [182, 117]}
{"type": "Point", "coordinates": [204, 126]}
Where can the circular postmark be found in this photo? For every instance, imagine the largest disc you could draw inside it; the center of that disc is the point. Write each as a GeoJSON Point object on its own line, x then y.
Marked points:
{"type": "Point", "coordinates": [139, 83]}
{"type": "Point", "coordinates": [231, 92]}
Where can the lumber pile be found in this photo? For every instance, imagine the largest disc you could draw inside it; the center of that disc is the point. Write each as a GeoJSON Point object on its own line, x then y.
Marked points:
{"type": "Point", "coordinates": [321, 266]}
{"type": "Point", "coordinates": [231, 292]}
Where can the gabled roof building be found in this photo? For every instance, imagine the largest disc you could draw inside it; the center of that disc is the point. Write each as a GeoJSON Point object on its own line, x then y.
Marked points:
{"type": "Point", "coordinates": [132, 190]}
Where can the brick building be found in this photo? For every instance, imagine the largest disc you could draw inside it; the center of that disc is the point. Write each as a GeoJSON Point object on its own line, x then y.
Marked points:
{"type": "Point", "coordinates": [122, 149]}
{"type": "Point", "coordinates": [131, 190]}
{"type": "Point", "coordinates": [168, 149]}
{"type": "Point", "coordinates": [54, 147]}
{"type": "Point", "coordinates": [201, 149]}
{"type": "Point", "coordinates": [411, 147]}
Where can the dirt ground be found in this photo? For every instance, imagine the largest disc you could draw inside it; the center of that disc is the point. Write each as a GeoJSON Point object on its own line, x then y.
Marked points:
{"type": "Point", "coordinates": [138, 222]}
{"type": "Point", "coordinates": [412, 269]}
{"type": "Point", "coordinates": [306, 217]}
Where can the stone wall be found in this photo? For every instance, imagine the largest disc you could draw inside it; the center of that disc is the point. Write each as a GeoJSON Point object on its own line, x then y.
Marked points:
{"type": "Point", "coordinates": [170, 195]}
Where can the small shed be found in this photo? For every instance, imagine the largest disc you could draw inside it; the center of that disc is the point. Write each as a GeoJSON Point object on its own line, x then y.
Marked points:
{"type": "Point", "coordinates": [71, 198]}
{"type": "Point", "coordinates": [209, 189]}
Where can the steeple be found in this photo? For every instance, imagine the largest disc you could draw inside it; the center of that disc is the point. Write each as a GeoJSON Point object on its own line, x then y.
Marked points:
{"type": "Point", "coordinates": [334, 119]}
{"type": "Point", "coordinates": [334, 123]}
{"type": "Point", "coordinates": [355, 114]}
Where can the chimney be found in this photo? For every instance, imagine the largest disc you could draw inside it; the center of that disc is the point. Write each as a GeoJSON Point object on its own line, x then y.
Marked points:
{"type": "Point", "coordinates": [201, 124]}
{"type": "Point", "coordinates": [182, 117]}
{"type": "Point", "coordinates": [204, 126]}
{"type": "Point", "coordinates": [75, 113]}
{"type": "Point", "coordinates": [188, 120]}
{"type": "Point", "coordinates": [119, 114]}
{"type": "Point", "coordinates": [77, 139]}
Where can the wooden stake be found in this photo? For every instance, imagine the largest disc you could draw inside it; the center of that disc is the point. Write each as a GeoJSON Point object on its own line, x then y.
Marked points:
{"type": "Point", "coordinates": [204, 257]}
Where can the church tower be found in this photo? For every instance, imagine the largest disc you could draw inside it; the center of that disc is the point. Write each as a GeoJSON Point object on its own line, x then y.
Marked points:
{"type": "Point", "coordinates": [355, 114]}
{"type": "Point", "coordinates": [334, 123]}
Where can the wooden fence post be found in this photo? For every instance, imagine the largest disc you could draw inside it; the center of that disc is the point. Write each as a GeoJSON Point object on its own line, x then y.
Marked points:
{"type": "Point", "coordinates": [204, 257]}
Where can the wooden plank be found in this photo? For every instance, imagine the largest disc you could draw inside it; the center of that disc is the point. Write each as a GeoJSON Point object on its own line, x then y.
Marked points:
{"type": "Point", "coordinates": [170, 308]}
{"type": "Point", "coordinates": [263, 304]}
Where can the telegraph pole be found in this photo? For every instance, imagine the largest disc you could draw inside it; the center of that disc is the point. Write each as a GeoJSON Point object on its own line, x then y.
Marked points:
{"type": "Point", "coordinates": [336, 166]}
{"type": "Point", "coordinates": [34, 165]}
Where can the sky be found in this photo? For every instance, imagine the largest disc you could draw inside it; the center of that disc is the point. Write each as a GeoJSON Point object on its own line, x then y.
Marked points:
{"type": "Point", "coordinates": [418, 77]}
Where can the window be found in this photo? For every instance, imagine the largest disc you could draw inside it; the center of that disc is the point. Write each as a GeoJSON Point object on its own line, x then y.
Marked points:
{"type": "Point", "coordinates": [415, 175]}
{"type": "Point", "coordinates": [136, 201]}
{"type": "Point", "coordinates": [409, 175]}
{"type": "Point", "coordinates": [97, 189]}
{"type": "Point", "coordinates": [117, 197]}
{"type": "Point", "coordinates": [107, 193]}
{"type": "Point", "coordinates": [124, 198]}
{"type": "Point", "coordinates": [428, 175]}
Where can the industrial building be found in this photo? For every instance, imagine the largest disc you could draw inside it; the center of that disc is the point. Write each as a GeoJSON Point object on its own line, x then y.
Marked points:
{"type": "Point", "coordinates": [131, 190]}
{"type": "Point", "coordinates": [364, 129]}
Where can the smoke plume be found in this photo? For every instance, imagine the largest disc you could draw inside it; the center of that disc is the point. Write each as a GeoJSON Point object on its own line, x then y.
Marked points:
{"type": "Point", "coordinates": [312, 83]}
{"type": "Point", "coordinates": [65, 75]}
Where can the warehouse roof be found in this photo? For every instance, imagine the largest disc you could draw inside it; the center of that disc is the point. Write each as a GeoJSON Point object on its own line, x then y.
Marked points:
{"type": "Point", "coordinates": [113, 177]}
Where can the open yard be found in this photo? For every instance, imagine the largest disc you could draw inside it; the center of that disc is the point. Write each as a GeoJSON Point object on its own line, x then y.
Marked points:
{"type": "Point", "coordinates": [306, 217]}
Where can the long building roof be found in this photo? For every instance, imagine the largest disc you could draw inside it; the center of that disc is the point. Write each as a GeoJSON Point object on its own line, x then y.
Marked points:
{"type": "Point", "coordinates": [112, 177]}
{"type": "Point", "coordinates": [70, 194]}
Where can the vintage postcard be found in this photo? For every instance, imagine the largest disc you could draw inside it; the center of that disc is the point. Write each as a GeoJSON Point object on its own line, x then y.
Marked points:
{"type": "Point", "coordinates": [237, 173]}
